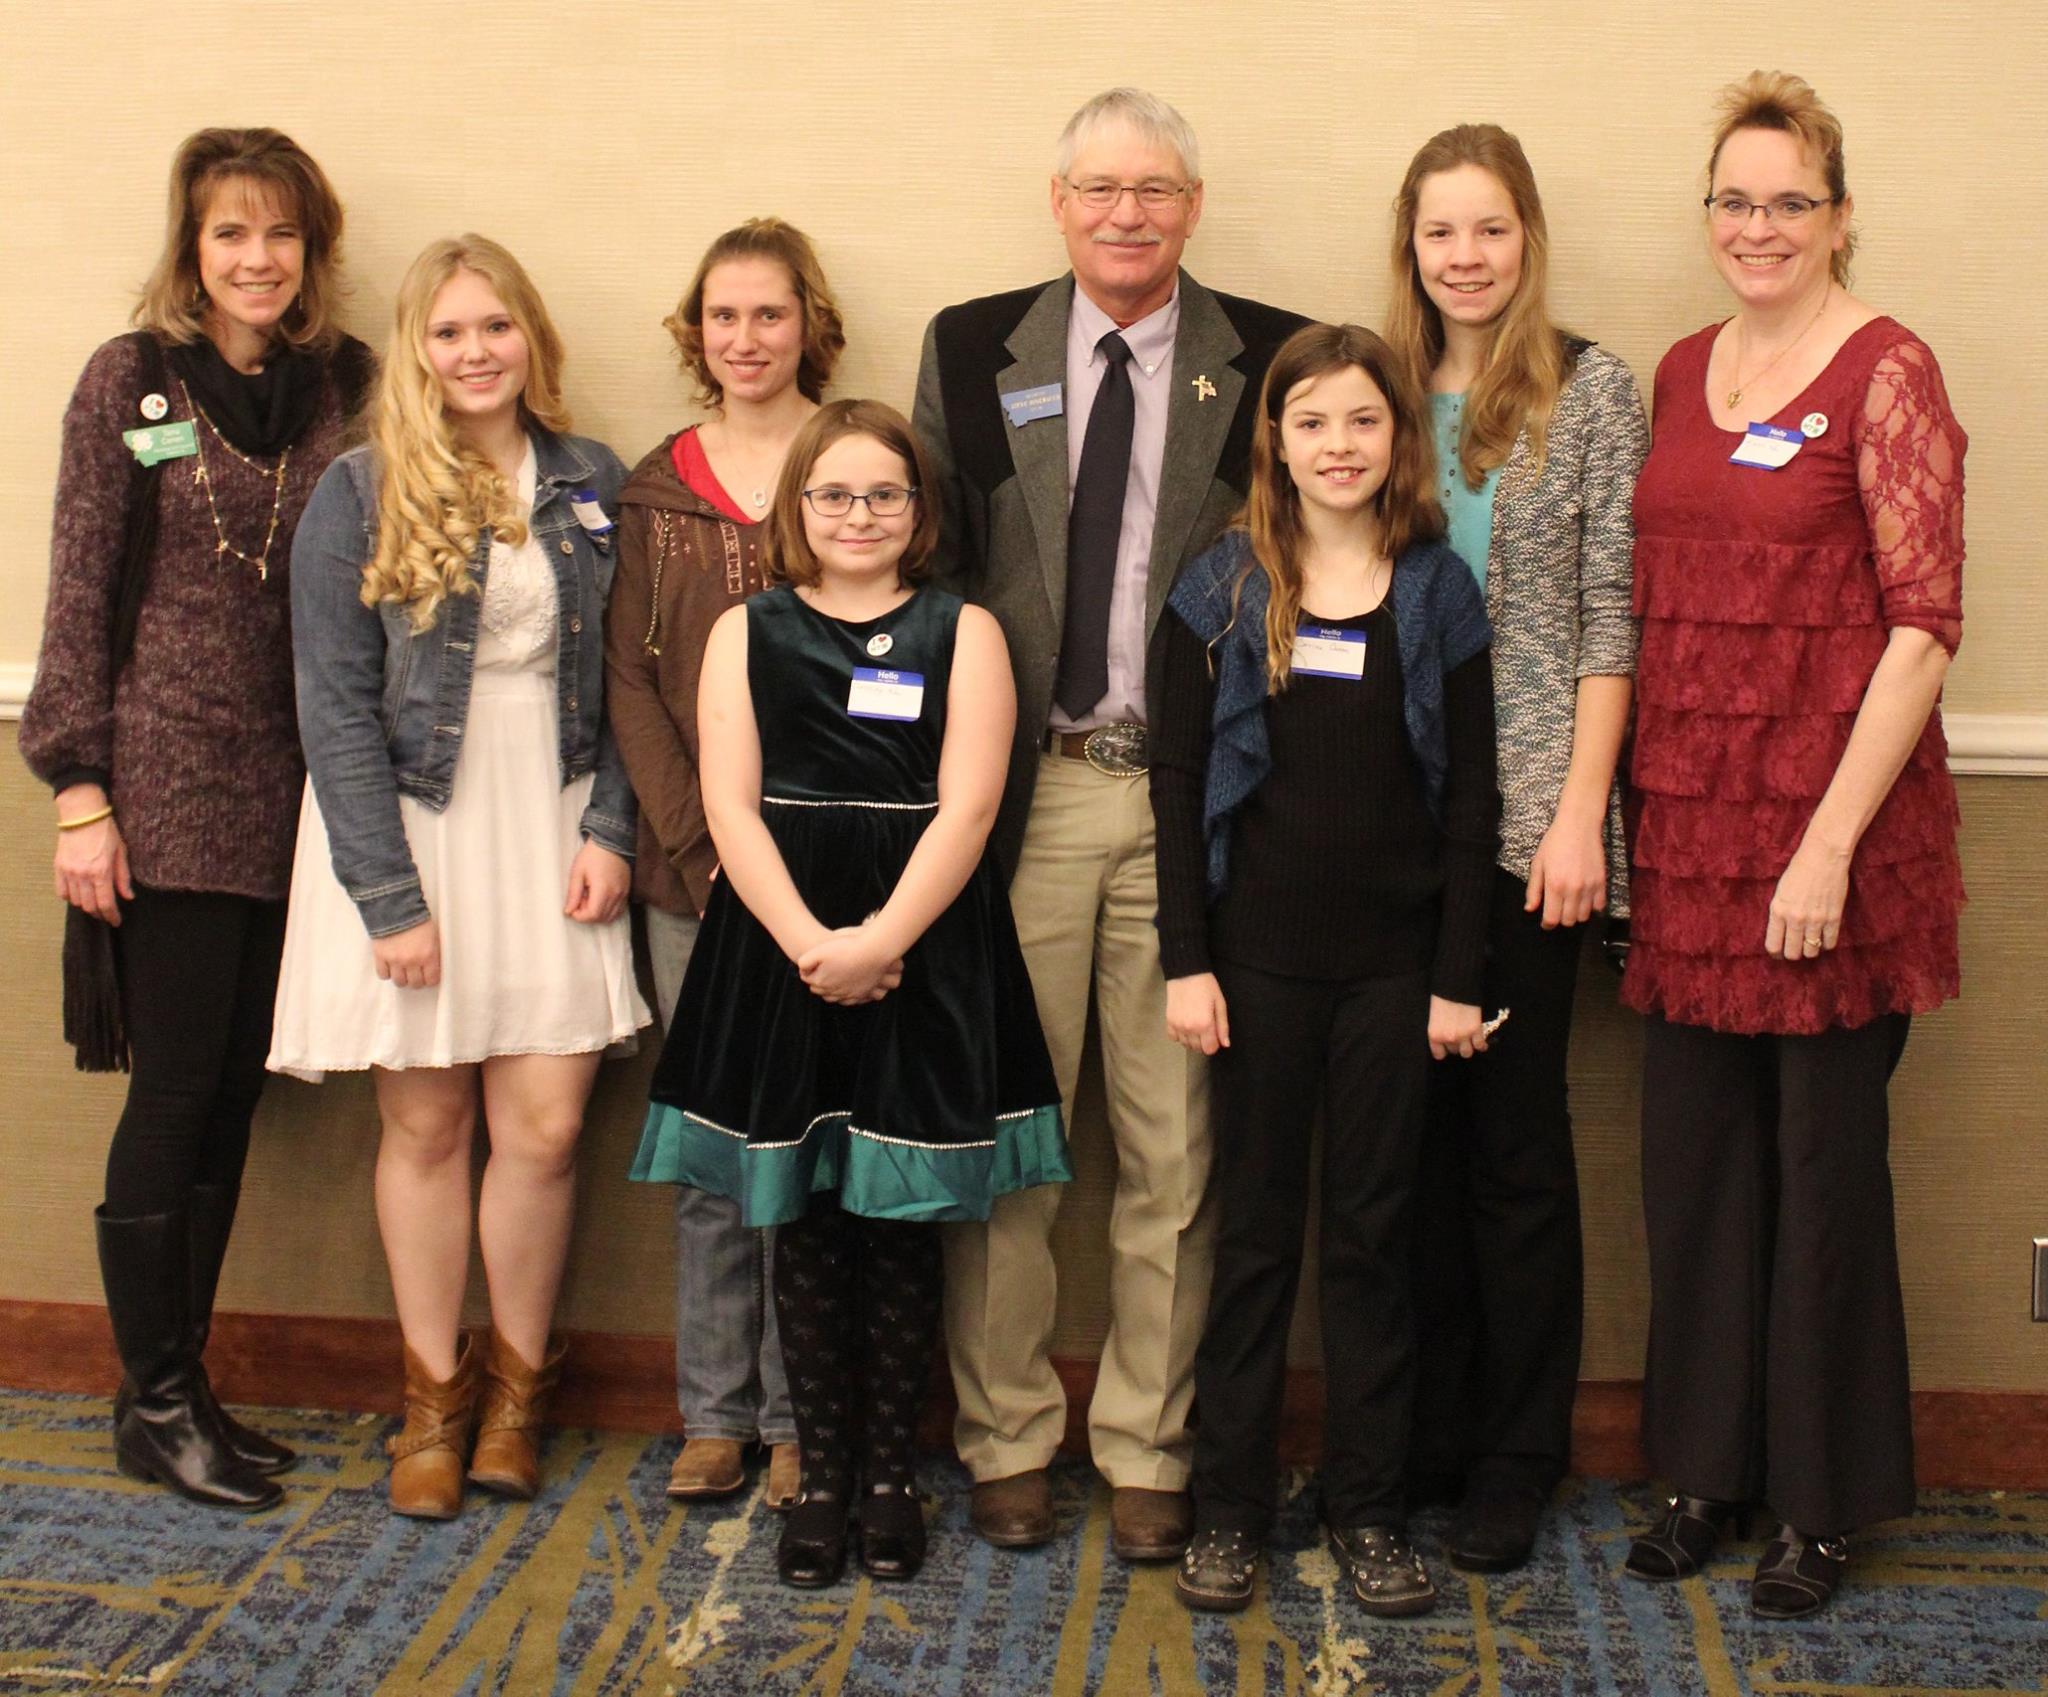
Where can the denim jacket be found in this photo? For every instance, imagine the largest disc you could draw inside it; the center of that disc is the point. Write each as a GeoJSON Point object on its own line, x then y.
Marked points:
{"type": "Point", "coordinates": [382, 707]}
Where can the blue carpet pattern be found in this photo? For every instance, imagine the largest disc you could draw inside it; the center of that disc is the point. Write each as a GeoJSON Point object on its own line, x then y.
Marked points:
{"type": "Point", "coordinates": [602, 1586]}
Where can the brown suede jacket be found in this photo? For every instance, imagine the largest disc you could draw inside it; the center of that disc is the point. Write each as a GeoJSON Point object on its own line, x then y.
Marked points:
{"type": "Point", "coordinates": [681, 564]}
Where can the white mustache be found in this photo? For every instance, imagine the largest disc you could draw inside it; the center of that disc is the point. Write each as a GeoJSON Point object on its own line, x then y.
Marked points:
{"type": "Point", "coordinates": [1144, 238]}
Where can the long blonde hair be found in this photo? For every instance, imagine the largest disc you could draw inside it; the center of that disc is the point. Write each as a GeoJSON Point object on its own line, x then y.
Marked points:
{"type": "Point", "coordinates": [438, 496]}
{"type": "Point", "coordinates": [266, 165]}
{"type": "Point", "coordinates": [1525, 365]}
{"type": "Point", "coordinates": [1405, 507]}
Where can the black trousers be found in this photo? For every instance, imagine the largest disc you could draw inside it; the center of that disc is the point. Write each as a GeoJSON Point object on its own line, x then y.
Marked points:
{"type": "Point", "coordinates": [1499, 1266]}
{"type": "Point", "coordinates": [1360, 1050]}
{"type": "Point", "coordinates": [198, 983]}
{"type": "Point", "coordinates": [1777, 1361]}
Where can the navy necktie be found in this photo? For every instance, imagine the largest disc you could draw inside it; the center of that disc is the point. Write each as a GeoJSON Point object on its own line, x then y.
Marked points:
{"type": "Point", "coordinates": [1094, 526]}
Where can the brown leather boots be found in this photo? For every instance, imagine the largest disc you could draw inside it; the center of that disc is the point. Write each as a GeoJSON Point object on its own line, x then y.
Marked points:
{"type": "Point", "coordinates": [515, 1398]}
{"type": "Point", "coordinates": [428, 1455]}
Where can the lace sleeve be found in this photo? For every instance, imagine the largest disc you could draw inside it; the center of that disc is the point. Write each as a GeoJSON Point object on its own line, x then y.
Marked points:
{"type": "Point", "coordinates": [1909, 468]}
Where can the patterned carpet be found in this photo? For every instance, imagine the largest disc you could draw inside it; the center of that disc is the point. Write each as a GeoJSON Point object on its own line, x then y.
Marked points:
{"type": "Point", "coordinates": [602, 1587]}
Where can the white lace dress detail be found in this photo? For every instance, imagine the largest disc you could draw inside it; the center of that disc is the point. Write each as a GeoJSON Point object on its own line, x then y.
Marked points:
{"type": "Point", "coordinates": [516, 625]}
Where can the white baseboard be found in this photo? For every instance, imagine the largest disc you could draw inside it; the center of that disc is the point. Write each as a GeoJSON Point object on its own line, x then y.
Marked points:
{"type": "Point", "coordinates": [2002, 745]}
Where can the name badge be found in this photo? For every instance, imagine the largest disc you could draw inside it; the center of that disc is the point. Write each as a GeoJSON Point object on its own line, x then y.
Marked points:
{"type": "Point", "coordinates": [1048, 400]}
{"type": "Point", "coordinates": [160, 442]}
{"type": "Point", "coordinates": [1767, 447]}
{"type": "Point", "coordinates": [881, 694]}
{"type": "Point", "coordinates": [1323, 652]}
{"type": "Point", "coordinates": [589, 514]}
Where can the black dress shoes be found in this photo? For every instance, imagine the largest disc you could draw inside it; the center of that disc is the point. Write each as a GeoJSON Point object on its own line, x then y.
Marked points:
{"type": "Point", "coordinates": [1678, 1546]}
{"type": "Point", "coordinates": [892, 1536]}
{"type": "Point", "coordinates": [1797, 1575]}
{"type": "Point", "coordinates": [1495, 1527]}
{"type": "Point", "coordinates": [812, 1551]}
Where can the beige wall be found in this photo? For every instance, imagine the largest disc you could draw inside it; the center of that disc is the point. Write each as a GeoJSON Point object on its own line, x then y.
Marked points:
{"type": "Point", "coordinates": [607, 144]}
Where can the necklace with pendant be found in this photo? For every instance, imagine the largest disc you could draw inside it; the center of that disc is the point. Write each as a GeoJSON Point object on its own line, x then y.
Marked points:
{"type": "Point", "coordinates": [759, 498]}
{"type": "Point", "coordinates": [203, 476]}
{"type": "Point", "coordinates": [1735, 394]}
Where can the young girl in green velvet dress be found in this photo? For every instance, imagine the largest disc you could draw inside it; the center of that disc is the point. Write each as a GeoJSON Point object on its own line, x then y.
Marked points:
{"type": "Point", "coordinates": [855, 1054]}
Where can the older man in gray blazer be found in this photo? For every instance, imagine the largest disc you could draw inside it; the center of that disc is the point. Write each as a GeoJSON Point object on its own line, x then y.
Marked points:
{"type": "Point", "coordinates": [1090, 435]}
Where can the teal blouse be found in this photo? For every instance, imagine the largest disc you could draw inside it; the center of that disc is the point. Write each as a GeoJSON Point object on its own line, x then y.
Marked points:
{"type": "Point", "coordinates": [1470, 511]}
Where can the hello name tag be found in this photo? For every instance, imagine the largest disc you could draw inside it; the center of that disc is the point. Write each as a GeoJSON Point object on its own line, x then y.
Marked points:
{"type": "Point", "coordinates": [881, 694]}
{"type": "Point", "coordinates": [160, 442]}
{"type": "Point", "coordinates": [1021, 406]}
{"type": "Point", "coordinates": [589, 514]}
{"type": "Point", "coordinates": [1767, 447]}
{"type": "Point", "coordinates": [1322, 651]}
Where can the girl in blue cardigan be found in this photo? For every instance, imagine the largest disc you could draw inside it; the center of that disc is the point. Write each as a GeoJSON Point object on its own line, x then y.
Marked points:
{"type": "Point", "coordinates": [1323, 780]}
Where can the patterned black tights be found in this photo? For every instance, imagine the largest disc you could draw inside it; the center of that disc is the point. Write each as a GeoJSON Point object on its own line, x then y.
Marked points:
{"type": "Point", "coordinates": [857, 1301]}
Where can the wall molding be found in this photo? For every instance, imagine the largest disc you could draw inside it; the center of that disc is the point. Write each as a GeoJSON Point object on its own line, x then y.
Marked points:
{"type": "Point", "coordinates": [1991, 745]}
{"type": "Point", "coordinates": [1965, 1440]}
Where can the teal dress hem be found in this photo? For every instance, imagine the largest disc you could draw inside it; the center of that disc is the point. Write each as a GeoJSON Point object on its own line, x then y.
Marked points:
{"type": "Point", "coordinates": [876, 1175]}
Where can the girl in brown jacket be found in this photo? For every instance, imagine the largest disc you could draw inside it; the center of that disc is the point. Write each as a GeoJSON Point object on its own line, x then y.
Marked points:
{"type": "Point", "coordinates": [759, 332]}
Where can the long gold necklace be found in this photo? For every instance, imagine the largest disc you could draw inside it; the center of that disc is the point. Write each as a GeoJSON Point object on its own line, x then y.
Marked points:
{"type": "Point", "coordinates": [204, 478]}
{"type": "Point", "coordinates": [1735, 394]}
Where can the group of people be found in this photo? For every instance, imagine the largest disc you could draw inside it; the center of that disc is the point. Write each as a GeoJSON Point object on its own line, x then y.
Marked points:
{"type": "Point", "coordinates": [1265, 682]}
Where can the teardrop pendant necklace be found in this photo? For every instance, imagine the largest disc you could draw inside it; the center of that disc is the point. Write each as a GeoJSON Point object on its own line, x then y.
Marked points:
{"type": "Point", "coordinates": [1735, 394]}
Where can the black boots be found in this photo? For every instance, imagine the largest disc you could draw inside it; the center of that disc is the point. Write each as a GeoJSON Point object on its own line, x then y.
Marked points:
{"type": "Point", "coordinates": [210, 1219]}
{"type": "Point", "coordinates": [166, 1430]}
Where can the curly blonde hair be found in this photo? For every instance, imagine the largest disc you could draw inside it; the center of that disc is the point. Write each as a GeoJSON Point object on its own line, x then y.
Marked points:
{"type": "Point", "coordinates": [439, 498]}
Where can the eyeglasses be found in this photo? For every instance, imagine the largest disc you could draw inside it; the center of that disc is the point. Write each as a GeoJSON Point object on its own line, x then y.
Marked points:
{"type": "Point", "coordinates": [1786, 209]}
{"type": "Point", "coordinates": [1099, 194]}
{"type": "Point", "coordinates": [886, 502]}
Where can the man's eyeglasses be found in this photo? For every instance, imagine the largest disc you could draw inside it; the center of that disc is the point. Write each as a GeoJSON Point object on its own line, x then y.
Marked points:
{"type": "Point", "coordinates": [1155, 194]}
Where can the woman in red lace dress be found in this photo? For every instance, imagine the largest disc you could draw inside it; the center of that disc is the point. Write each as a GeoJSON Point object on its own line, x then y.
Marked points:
{"type": "Point", "coordinates": [1799, 547]}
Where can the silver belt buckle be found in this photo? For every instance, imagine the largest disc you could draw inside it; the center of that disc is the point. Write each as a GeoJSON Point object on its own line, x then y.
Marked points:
{"type": "Point", "coordinates": [1117, 751]}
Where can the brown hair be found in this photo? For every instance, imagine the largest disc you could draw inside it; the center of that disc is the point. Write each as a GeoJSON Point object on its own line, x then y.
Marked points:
{"type": "Point", "coordinates": [786, 551]}
{"type": "Point", "coordinates": [1777, 100]}
{"type": "Point", "coordinates": [1525, 364]}
{"type": "Point", "coordinates": [789, 247]}
{"type": "Point", "coordinates": [174, 301]}
{"type": "Point", "coordinates": [1405, 506]}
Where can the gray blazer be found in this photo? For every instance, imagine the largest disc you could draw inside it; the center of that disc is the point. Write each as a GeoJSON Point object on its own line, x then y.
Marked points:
{"type": "Point", "coordinates": [1003, 487]}
{"type": "Point", "coordinates": [1559, 574]}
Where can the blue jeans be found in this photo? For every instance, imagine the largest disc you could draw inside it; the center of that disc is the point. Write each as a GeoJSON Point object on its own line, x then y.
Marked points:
{"type": "Point", "coordinates": [730, 1381]}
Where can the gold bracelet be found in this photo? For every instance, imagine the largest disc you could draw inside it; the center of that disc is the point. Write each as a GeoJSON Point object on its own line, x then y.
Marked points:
{"type": "Point", "coordinates": [85, 819]}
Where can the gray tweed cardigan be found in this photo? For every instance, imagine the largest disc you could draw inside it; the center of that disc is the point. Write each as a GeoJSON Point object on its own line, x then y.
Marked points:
{"type": "Point", "coordinates": [1559, 574]}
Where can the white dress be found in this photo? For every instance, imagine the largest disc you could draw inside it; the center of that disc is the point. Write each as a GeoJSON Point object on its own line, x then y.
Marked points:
{"type": "Point", "coordinates": [517, 976]}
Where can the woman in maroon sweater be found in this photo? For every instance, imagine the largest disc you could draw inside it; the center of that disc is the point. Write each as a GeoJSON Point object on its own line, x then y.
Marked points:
{"type": "Point", "coordinates": [175, 761]}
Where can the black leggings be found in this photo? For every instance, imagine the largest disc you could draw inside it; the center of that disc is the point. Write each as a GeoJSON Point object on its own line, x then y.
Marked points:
{"type": "Point", "coordinates": [198, 980]}
{"type": "Point", "coordinates": [857, 1301]}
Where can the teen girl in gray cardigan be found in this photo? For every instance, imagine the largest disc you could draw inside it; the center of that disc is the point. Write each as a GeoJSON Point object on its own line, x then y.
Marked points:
{"type": "Point", "coordinates": [1540, 436]}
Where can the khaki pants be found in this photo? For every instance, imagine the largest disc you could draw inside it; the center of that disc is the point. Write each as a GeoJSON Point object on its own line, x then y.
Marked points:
{"type": "Point", "coordinates": [1084, 898]}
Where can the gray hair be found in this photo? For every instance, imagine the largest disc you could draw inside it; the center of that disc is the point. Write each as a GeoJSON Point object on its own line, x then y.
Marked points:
{"type": "Point", "coordinates": [1130, 108]}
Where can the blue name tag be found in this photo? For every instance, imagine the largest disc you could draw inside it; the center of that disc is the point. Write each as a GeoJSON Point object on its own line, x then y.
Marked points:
{"type": "Point", "coordinates": [1322, 651]}
{"type": "Point", "coordinates": [1768, 447]}
{"type": "Point", "coordinates": [1046, 401]}
{"type": "Point", "coordinates": [589, 513]}
{"type": "Point", "coordinates": [881, 694]}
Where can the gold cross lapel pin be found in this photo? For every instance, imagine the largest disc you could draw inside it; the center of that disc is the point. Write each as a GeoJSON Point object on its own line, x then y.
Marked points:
{"type": "Point", "coordinates": [1204, 389]}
